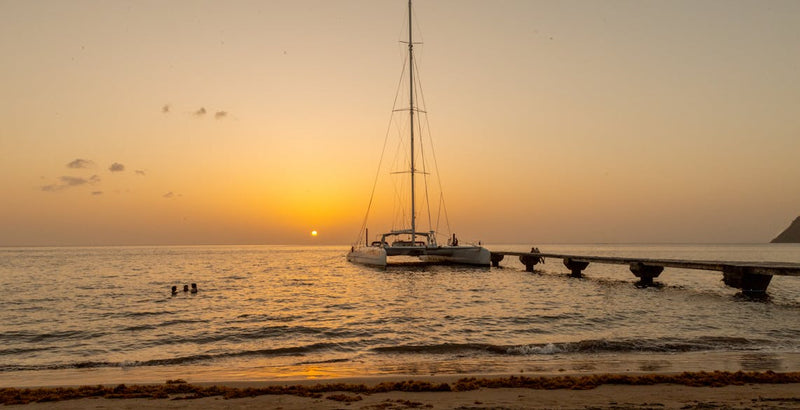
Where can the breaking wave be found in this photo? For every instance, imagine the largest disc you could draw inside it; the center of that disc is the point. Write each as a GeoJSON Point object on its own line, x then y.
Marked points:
{"type": "Point", "coordinates": [585, 346]}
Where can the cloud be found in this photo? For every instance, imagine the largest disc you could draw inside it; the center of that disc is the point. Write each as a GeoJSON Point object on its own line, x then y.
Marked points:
{"type": "Point", "coordinates": [169, 194]}
{"type": "Point", "coordinates": [140, 172]}
{"type": "Point", "coordinates": [95, 193]}
{"type": "Point", "coordinates": [165, 109]}
{"type": "Point", "coordinates": [73, 181]}
{"type": "Point", "coordinates": [116, 167]}
{"type": "Point", "coordinates": [70, 181]}
{"type": "Point", "coordinates": [220, 115]}
{"type": "Point", "coordinates": [201, 112]}
{"type": "Point", "coordinates": [80, 163]}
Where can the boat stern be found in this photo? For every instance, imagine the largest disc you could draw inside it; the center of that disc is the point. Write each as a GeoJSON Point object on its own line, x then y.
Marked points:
{"type": "Point", "coordinates": [367, 255]}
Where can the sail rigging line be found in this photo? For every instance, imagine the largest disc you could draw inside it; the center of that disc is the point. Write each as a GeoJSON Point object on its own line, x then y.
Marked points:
{"type": "Point", "coordinates": [415, 84]}
{"type": "Point", "coordinates": [442, 205]}
{"type": "Point", "coordinates": [380, 161]}
{"type": "Point", "coordinates": [419, 30]}
{"type": "Point", "coordinates": [399, 217]}
{"type": "Point", "coordinates": [400, 161]}
{"type": "Point", "coordinates": [411, 118]}
{"type": "Point", "coordinates": [418, 86]}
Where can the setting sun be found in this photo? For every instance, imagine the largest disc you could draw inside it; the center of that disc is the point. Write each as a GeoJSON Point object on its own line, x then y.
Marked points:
{"type": "Point", "coordinates": [313, 233]}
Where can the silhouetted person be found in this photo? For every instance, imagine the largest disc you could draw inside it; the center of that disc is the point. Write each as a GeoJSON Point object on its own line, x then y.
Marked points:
{"type": "Point", "coordinates": [185, 288]}
{"type": "Point", "coordinates": [539, 259]}
{"type": "Point", "coordinates": [194, 288]}
{"type": "Point", "coordinates": [174, 290]}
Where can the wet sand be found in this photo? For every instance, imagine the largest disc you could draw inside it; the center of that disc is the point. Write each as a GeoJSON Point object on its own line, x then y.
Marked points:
{"type": "Point", "coordinates": [677, 391]}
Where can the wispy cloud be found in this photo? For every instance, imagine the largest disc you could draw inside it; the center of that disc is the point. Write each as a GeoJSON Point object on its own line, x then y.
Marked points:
{"type": "Point", "coordinates": [73, 181]}
{"type": "Point", "coordinates": [80, 163]}
{"type": "Point", "coordinates": [140, 172]}
{"type": "Point", "coordinates": [116, 167]}
{"type": "Point", "coordinates": [69, 182]}
{"type": "Point", "coordinates": [200, 112]}
{"type": "Point", "coordinates": [95, 193]}
{"type": "Point", "coordinates": [171, 195]}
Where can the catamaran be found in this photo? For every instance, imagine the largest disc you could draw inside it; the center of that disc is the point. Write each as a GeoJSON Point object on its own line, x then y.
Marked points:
{"type": "Point", "coordinates": [411, 241]}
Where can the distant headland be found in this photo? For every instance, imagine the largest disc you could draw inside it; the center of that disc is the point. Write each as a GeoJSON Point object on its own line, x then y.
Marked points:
{"type": "Point", "coordinates": [791, 234]}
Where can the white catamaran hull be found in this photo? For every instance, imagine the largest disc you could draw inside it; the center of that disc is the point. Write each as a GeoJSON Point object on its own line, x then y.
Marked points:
{"type": "Point", "coordinates": [368, 255]}
{"type": "Point", "coordinates": [463, 255]}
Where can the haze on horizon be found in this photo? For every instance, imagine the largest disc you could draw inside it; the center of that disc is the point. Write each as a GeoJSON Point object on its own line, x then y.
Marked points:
{"type": "Point", "coordinates": [194, 122]}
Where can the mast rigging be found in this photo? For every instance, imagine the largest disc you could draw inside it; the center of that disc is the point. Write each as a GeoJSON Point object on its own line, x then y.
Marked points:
{"type": "Point", "coordinates": [411, 117]}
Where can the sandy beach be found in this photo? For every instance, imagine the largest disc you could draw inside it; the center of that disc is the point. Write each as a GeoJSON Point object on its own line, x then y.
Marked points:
{"type": "Point", "coordinates": [721, 390]}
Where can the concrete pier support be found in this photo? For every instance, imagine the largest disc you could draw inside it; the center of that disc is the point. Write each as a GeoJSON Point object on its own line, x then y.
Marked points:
{"type": "Point", "coordinates": [575, 267]}
{"type": "Point", "coordinates": [529, 261]}
{"type": "Point", "coordinates": [645, 273]}
{"type": "Point", "coordinates": [751, 284]}
{"type": "Point", "coordinates": [496, 258]}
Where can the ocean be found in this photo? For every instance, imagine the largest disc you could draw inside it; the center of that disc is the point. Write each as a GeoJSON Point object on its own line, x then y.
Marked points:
{"type": "Point", "coordinates": [89, 315]}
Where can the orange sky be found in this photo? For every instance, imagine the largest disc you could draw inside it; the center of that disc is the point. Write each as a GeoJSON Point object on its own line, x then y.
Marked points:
{"type": "Point", "coordinates": [251, 122]}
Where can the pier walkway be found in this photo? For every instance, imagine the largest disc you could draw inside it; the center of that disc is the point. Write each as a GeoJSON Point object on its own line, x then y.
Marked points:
{"type": "Point", "coordinates": [751, 277]}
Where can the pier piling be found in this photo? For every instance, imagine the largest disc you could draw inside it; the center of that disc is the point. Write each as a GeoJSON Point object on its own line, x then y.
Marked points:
{"type": "Point", "coordinates": [751, 283]}
{"type": "Point", "coordinates": [576, 267]}
{"type": "Point", "coordinates": [529, 261]}
{"type": "Point", "coordinates": [496, 258]}
{"type": "Point", "coordinates": [645, 273]}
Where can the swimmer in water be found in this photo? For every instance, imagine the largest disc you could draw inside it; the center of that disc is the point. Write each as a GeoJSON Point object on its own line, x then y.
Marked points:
{"type": "Point", "coordinates": [174, 290]}
{"type": "Point", "coordinates": [194, 288]}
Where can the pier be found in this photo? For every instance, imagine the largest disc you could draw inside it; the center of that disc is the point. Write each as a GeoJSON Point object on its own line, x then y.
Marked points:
{"type": "Point", "coordinates": [751, 277]}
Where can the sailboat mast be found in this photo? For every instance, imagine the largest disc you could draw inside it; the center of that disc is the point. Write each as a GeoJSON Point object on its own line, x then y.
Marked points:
{"type": "Point", "coordinates": [411, 117]}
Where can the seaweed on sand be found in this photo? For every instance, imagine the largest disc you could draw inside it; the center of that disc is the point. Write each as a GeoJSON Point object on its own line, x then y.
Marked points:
{"type": "Point", "coordinates": [180, 390]}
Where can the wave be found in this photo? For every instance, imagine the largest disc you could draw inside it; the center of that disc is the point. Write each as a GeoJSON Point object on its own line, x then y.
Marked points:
{"type": "Point", "coordinates": [585, 346]}
{"type": "Point", "coordinates": [640, 346]}
{"type": "Point", "coordinates": [445, 348]}
{"type": "Point", "coordinates": [22, 350]}
{"type": "Point", "coordinates": [322, 361]}
{"type": "Point", "coordinates": [145, 313]}
{"type": "Point", "coordinates": [176, 361]}
{"type": "Point", "coordinates": [32, 337]}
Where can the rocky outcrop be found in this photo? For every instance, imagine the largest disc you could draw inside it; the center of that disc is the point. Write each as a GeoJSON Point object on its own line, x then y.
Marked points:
{"type": "Point", "coordinates": [791, 234]}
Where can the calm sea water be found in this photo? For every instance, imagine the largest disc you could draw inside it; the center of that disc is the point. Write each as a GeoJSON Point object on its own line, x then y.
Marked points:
{"type": "Point", "coordinates": [105, 314]}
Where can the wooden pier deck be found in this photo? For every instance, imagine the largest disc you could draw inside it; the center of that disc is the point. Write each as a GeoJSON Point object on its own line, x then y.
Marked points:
{"type": "Point", "coordinates": [751, 277]}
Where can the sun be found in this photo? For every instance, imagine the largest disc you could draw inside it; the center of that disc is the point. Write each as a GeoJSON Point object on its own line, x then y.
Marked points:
{"type": "Point", "coordinates": [313, 233]}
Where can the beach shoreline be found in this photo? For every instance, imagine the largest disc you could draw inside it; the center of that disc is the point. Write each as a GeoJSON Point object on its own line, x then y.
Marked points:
{"type": "Point", "coordinates": [681, 390]}
{"type": "Point", "coordinates": [417, 368]}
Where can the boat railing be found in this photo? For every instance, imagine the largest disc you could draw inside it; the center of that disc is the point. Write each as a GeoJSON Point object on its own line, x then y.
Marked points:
{"type": "Point", "coordinates": [409, 243]}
